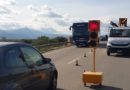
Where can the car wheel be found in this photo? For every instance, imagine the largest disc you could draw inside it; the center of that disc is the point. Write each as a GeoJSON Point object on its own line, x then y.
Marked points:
{"type": "Point", "coordinates": [53, 83]}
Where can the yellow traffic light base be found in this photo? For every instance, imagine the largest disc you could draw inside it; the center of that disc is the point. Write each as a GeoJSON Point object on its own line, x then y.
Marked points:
{"type": "Point", "coordinates": [92, 76]}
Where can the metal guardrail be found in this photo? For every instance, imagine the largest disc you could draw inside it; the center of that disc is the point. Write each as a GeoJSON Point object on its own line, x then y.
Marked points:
{"type": "Point", "coordinates": [52, 46]}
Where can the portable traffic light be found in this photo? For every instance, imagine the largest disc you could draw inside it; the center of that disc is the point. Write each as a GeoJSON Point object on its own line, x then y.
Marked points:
{"type": "Point", "coordinates": [94, 28]}
{"type": "Point", "coordinates": [93, 76]}
{"type": "Point", "coordinates": [123, 22]}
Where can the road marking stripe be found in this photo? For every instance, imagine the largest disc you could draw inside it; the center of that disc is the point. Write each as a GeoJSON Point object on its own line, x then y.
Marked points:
{"type": "Point", "coordinates": [74, 60]}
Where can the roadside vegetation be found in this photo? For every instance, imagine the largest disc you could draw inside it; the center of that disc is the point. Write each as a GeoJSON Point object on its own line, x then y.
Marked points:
{"type": "Point", "coordinates": [44, 43]}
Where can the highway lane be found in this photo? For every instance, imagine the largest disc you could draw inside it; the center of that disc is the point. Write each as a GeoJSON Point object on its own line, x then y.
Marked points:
{"type": "Point", "coordinates": [115, 68]}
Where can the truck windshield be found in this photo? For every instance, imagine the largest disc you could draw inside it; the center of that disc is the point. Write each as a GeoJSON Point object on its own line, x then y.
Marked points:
{"type": "Point", "coordinates": [80, 32]}
{"type": "Point", "coordinates": [120, 33]}
{"type": "Point", "coordinates": [80, 29]}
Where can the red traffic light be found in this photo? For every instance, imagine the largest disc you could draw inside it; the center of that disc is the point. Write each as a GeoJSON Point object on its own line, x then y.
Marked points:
{"type": "Point", "coordinates": [94, 25]}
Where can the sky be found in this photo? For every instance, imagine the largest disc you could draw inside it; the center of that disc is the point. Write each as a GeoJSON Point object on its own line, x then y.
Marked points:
{"type": "Point", "coordinates": [60, 14]}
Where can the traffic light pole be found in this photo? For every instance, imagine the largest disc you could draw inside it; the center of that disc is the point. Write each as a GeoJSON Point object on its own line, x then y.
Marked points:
{"type": "Point", "coordinates": [94, 61]}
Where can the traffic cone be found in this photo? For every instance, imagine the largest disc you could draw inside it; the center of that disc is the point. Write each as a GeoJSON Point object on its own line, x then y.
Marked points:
{"type": "Point", "coordinates": [85, 55]}
{"type": "Point", "coordinates": [76, 64]}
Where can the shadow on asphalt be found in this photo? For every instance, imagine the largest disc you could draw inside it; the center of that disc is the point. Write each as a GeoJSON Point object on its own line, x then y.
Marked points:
{"type": "Point", "coordinates": [121, 55]}
{"type": "Point", "coordinates": [83, 47]}
{"type": "Point", "coordinates": [102, 45]}
{"type": "Point", "coordinates": [60, 89]}
{"type": "Point", "coordinates": [95, 87]}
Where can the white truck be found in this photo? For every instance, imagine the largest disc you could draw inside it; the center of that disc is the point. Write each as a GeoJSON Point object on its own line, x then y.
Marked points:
{"type": "Point", "coordinates": [118, 40]}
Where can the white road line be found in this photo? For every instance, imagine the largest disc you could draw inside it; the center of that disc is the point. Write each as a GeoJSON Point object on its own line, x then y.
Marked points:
{"type": "Point", "coordinates": [74, 60]}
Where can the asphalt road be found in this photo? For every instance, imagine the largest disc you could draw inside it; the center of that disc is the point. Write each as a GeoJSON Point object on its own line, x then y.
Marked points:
{"type": "Point", "coordinates": [115, 68]}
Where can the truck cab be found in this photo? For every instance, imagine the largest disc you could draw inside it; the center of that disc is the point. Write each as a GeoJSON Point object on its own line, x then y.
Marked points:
{"type": "Point", "coordinates": [118, 40]}
{"type": "Point", "coordinates": [80, 34]}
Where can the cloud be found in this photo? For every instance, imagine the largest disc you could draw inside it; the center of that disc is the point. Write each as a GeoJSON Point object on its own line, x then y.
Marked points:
{"type": "Point", "coordinates": [7, 2]}
{"type": "Point", "coordinates": [6, 7]}
{"type": "Point", "coordinates": [4, 10]}
{"type": "Point", "coordinates": [33, 17]}
{"type": "Point", "coordinates": [46, 14]}
{"type": "Point", "coordinates": [45, 11]}
{"type": "Point", "coordinates": [11, 2]}
{"type": "Point", "coordinates": [62, 22]}
{"type": "Point", "coordinates": [67, 20]}
{"type": "Point", "coordinates": [32, 8]}
{"type": "Point", "coordinates": [9, 25]}
{"type": "Point", "coordinates": [107, 19]}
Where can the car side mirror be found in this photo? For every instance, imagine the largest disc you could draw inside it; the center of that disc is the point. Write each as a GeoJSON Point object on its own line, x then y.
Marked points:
{"type": "Point", "coordinates": [44, 61]}
{"type": "Point", "coordinates": [48, 60]}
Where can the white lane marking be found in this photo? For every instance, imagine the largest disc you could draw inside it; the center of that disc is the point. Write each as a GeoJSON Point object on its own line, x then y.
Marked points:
{"type": "Point", "coordinates": [74, 60]}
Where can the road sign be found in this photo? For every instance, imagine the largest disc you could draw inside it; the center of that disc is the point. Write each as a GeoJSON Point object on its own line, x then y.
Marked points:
{"type": "Point", "coordinates": [123, 22]}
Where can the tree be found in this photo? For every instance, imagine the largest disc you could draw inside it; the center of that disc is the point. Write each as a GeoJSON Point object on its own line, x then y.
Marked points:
{"type": "Point", "coordinates": [29, 41]}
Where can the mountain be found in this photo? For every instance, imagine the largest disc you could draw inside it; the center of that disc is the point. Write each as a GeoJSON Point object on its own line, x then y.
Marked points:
{"type": "Point", "coordinates": [27, 33]}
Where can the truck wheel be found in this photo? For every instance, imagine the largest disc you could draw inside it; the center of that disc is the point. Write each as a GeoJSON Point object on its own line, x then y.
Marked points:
{"type": "Point", "coordinates": [108, 53]}
{"type": "Point", "coordinates": [86, 45]}
{"type": "Point", "coordinates": [77, 45]}
{"type": "Point", "coordinates": [100, 84]}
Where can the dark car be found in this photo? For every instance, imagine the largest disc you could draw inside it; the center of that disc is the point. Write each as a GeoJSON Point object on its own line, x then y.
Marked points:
{"type": "Point", "coordinates": [22, 67]}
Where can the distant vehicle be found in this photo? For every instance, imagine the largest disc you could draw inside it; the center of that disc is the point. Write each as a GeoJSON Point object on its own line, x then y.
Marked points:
{"type": "Point", "coordinates": [80, 34]}
{"type": "Point", "coordinates": [118, 40]}
{"type": "Point", "coordinates": [103, 38]}
{"type": "Point", "coordinates": [22, 67]}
